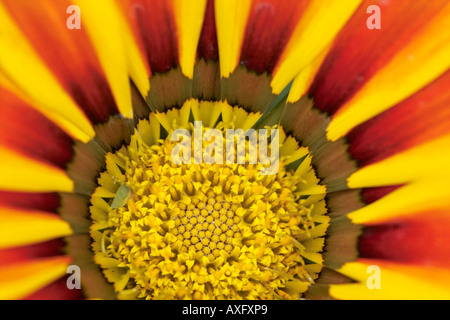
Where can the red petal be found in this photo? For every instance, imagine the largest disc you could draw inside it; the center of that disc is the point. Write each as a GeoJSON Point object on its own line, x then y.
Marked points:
{"type": "Point", "coordinates": [68, 53]}
{"type": "Point", "coordinates": [207, 46]}
{"type": "Point", "coordinates": [153, 24]}
{"type": "Point", "coordinates": [370, 195]}
{"type": "Point", "coordinates": [419, 239]}
{"type": "Point", "coordinates": [422, 117]}
{"type": "Point", "coordinates": [48, 202]}
{"type": "Point", "coordinates": [358, 53]}
{"type": "Point", "coordinates": [40, 250]}
{"type": "Point", "coordinates": [56, 291]}
{"type": "Point", "coordinates": [270, 25]}
{"type": "Point", "coordinates": [25, 130]}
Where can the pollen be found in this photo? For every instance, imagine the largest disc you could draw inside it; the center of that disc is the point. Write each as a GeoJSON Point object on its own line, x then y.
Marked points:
{"type": "Point", "coordinates": [201, 231]}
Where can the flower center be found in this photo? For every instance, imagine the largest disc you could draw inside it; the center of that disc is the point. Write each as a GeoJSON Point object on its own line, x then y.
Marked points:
{"type": "Point", "coordinates": [208, 226]}
{"type": "Point", "coordinates": [199, 231]}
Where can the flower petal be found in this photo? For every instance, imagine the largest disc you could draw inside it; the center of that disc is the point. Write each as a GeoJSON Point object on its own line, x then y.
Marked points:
{"type": "Point", "coordinates": [404, 201]}
{"type": "Point", "coordinates": [420, 238]}
{"type": "Point", "coordinates": [154, 28]}
{"type": "Point", "coordinates": [428, 160]}
{"type": "Point", "coordinates": [22, 279]}
{"type": "Point", "coordinates": [269, 27]}
{"type": "Point", "coordinates": [314, 32]}
{"type": "Point", "coordinates": [418, 63]}
{"type": "Point", "coordinates": [21, 227]}
{"type": "Point", "coordinates": [398, 281]}
{"type": "Point", "coordinates": [189, 20]}
{"type": "Point", "coordinates": [20, 173]}
{"type": "Point", "coordinates": [231, 19]}
{"type": "Point", "coordinates": [68, 53]}
{"type": "Point", "coordinates": [419, 119]}
{"type": "Point", "coordinates": [304, 79]}
{"type": "Point", "coordinates": [27, 70]}
{"type": "Point", "coordinates": [118, 53]}
{"type": "Point", "coordinates": [369, 195]}
{"type": "Point", "coordinates": [358, 52]}
{"type": "Point", "coordinates": [48, 202]}
{"type": "Point", "coordinates": [30, 133]}
{"type": "Point", "coordinates": [31, 252]}
{"type": "Point", "coordinates": [57, 290]}
{"type": "Point", "coordinates": [207, 45]}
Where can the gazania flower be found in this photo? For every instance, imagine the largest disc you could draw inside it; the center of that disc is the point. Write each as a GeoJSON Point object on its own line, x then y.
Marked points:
{"type": "Point", "coordinates": [358, 207]}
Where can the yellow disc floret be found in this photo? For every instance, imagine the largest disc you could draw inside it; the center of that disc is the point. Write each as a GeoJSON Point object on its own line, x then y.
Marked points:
{"type": "Point", "coordinates": [201, 231]}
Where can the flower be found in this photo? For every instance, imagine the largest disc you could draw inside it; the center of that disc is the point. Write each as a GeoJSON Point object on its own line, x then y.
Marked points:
{"type": "Point", "coordinates": [358, 208]}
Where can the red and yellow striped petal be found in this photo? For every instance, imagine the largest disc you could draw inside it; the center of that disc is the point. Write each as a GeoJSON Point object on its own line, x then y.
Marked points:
{"type": "Point", "coordinates": [316, 29]}
{"type": "Point", "coordinates": [369, 195]}
{"type": "Point", "coordinates": [269, 27]}
{"type": "Point", "coordinates": [420, 196]}
{"type": "Point", "coordinates": [48, 202]}
{"type": "Point", "coordinates": [31, 252]}
{"type": "Point", "coordinates": [22, 279]}
{"type": "Point", "coordinates": [57, 290]}
{"type": "Point", "coordinates": [207, 45]}
{"type": "Point", "coordinates": [231, 19]}
{"type": "Point", "coordinates": [427, 161]}
{"type": "Point", "coordinates": [421, 118]}
{"type": "Point", "coordinates": [153, 26]}
{"type": "Point", "coordinates": [420, 238]}
{"type": "Point", "coordinates": [414, 65]}
{"type": "Point", "coordinates": [57, 66]}
{"type": "Point", "coordinates": [189, 21]}
{"type": "Point", "coordinates": [28, 132]}
{"type": "Point", "coordinates": [23, 227]}
{"type": "Point", "coordinates": [117, 51]}
{"type": "Point", "coordinates": [167, 32]}
{"type": "Point", "coordinates": [21, 173]}
{"type": "Point", "coordinates": [358, 53]}
{"type": "Point", "coordinates": [397, 282]}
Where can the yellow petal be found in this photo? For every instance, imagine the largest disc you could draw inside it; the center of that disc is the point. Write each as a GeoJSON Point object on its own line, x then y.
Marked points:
{"type": "Point", "coordinates": [418, 64]}
{"type": "Point", "coordinates": [149, 130]}
{"type": "Point", "coordinates": [231, 19]}
{"type": "Point", "coordinates": [175, 118]}
{"type": "Point", "coordinates": [424, 161]}
{"type": "Point", "coordinates": [206, 111]}
{"type": "Point", "coordinates": [23, 227]}
{"type": "Point", "coordinates": [415, 197]}
{"type": "Point", "coordinates": [319, 25]}
{"type": "Point", "coordinates": [21, 64]}
{"type": "Point", "coordinates": [20, 280]}
{"type": "Point", "coordinates": [116, 49]}
{"type": "Point", "coordinates": [189, 20]}
{"type": "Point", "coordinates": [304, 79]}
{"type": "Point", "coordinates": [397, 281]}
{"type": "Point", "coordinates": [238, 116]}
{"type": "Point", "coordinates": [23, 174]}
